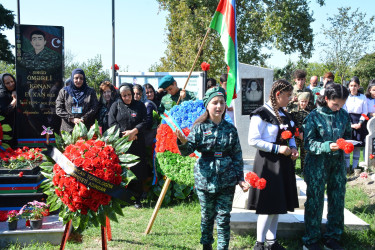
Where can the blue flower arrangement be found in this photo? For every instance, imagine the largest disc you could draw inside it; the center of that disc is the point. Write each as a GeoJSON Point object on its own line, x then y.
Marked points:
{"type": "Point", "coordinates": [186, 113]}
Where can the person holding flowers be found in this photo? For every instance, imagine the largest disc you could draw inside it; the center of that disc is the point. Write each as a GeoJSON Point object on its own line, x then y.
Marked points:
{"type": "Point", "coordinates": [356, 106]}
{"type": "Point", "coordinates": [271, 133]}
{"type": "Point", "coordinates": [326, 128]}
{"type": "Point", "coordinates": [219, 169]}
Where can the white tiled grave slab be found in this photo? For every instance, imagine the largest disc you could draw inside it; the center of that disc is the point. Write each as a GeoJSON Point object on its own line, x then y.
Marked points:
{"type": "Point", "coordinates": [244, 221]}
{"type": "Point", "coordinates": [51, 231]}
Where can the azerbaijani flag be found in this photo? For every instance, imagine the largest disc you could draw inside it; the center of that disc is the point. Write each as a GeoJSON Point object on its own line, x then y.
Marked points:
{"type": "Point", "coordinates": [224, 22]}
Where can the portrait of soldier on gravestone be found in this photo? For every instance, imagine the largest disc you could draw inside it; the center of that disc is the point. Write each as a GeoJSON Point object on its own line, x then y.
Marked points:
{"type": "Point", "coordinates": [41, 57]}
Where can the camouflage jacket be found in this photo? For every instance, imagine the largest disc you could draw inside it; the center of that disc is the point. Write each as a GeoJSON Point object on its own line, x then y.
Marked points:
{"type": "Point", "coordinates": [297, 92]}
{"type": "Point", "coordinates": [324, 126]}
{"type": "Point", "coordinates": [44, 60]}
{"type": "Point", "coordinates": [212, 173]}
{"type": "Point", "coordinates": [168, 101]}
{"type": "Point", "coordinates": [298, 115]}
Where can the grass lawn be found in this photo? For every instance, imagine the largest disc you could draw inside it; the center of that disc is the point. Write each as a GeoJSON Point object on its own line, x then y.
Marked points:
{"type": "Point", "coordinates": [178, 227]}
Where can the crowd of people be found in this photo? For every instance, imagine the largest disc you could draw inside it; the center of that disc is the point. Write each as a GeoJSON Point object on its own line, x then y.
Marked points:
{"type": "Point", "coordinates": [316, 115]}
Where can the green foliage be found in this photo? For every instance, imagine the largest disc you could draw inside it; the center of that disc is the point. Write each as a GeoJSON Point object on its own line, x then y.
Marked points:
{"type": "Point", "coordinates": [176, 167]}
{"type": "Point", "coordinates": [93, 69]}
{"type": "Point", "coordinates": [365, 69]}
{"type": "Point", "coordinates": [6, 22]}
{"type": "Point", "coordinates": [6, 67]}
{"type": "Point", "coordinates": [347, 38]}
{"type": "Point", "coordinates": [284, 25]}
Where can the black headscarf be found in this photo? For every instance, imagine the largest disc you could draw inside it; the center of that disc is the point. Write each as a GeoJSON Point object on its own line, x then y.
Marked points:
{"type": "Point", "coordinates": [130, 86]}
{"type": "Point", "coordinates": [2, 85]}
{"type": "Point", "coordinates": [77, 93]}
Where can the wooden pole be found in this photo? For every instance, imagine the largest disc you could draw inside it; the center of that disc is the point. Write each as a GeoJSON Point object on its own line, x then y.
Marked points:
{"type": "Point", "coordinates": [65, 235]}
{"type": "Point", "coordinates": [104, 238]}
{"type": "Point", "coordinates": [158, 204]}
{"type": "Point", "coordinates": [195, 61]}
{"type": "Point", "coordinates": [168, 181]}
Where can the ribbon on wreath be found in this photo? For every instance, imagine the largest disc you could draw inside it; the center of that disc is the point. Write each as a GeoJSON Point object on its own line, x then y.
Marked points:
{"type": "Point", "coordinates": [89, 180]}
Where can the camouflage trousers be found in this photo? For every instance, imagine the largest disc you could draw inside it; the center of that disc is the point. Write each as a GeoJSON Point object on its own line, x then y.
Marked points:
{"type": "Point", "coordinates": [332, 173]}
{"type": "Point", "coordinates": [217, 205]}
{"type": "Point", "coordinates": [302, 153]}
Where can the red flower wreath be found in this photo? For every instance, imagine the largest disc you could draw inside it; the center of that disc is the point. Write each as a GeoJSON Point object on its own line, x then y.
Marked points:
{"type": "Point", "coordinates": [166, 140]}
{"type": "Point", "coordinates": [96, 158]}
{"type": "Point", "coordinates": [286, 135]}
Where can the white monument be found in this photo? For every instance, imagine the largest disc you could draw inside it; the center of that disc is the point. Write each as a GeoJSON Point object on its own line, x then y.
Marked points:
{"type": "Point", "coordinates": [256, 83]}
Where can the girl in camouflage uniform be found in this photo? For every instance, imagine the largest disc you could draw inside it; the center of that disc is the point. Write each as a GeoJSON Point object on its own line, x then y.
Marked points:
{"type": "Point", "coordinates": [325, 164]}
{"type": "Point", "coordinates": [274, 162]}
{"type": "Point", "coordinates": [219, 169]}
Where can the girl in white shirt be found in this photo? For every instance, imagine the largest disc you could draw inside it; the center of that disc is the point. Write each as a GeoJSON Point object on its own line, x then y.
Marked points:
{"type": "Point", "coordinates": [356, 105]}
{"type": "Point", "coordinates": [273, 161]}
{"type": "Point", "coordinates": [370, 94]}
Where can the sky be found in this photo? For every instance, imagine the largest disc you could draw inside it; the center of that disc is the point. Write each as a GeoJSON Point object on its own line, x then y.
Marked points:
{"type": "Point", "coordinates": [140, 28]}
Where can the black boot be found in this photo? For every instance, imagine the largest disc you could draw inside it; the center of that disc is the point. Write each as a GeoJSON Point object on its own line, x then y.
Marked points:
{"type": "Point", "coordinates": [207, 247]}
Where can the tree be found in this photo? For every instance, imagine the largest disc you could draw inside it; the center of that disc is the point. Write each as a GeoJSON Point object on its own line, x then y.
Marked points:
{"type": "Point", "coordinates": [346, 40]}
{"type": "Point", "coordinates": [284, 25]}
{"type": "Point", "coordinates": [93, 69]}
{"type": "Point", "coordinates": [365, 69]}
{"type": "Point", "coordinates": [7, 68]}
{"type": "Point", "coordinates": [6, 22]}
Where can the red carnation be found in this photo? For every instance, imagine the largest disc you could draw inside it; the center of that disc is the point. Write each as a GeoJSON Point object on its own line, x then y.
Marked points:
{"type": "Point", "coordinates": [205, 66]}
{"type": "Point", "coordinates": [3, 216]}
{"type": "Point", "coordinates": [366, 117]}
{"type": "Point", "coordinates": [261, 183]}
{"type": "Point", "coordinates": [371, 156]}
{"type": "Point", "coordinates": [317, 93]}
{"type": "Point", "coordinates": [116, 67]}
{"type": "Point", "coordinates": [251, 178]}
{"type": "Point", "coordinates": [296, 134]}
{"type": "Point", "coordinates": [27, 223]}
{"type": "Point", "coordinates": [286, 135]}
{"type": "Point", "coordinates": [344, 145]}
{"type": "Point", "coordinates": [20, 174]}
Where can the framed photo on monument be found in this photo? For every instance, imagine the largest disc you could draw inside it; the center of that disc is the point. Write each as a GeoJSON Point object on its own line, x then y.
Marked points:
{"type": "Point", "coordinates": [252, 94]}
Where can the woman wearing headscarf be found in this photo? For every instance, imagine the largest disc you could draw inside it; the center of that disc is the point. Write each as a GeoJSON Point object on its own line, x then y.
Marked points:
{"type": "Point", "coordinates": [76, 103]}
{"type": "Point", "coordinates": [8, 101]}
{"type": "Point", "coordinates": [129, 116]}
{"type": "Point", "coordinates": [108, 95]}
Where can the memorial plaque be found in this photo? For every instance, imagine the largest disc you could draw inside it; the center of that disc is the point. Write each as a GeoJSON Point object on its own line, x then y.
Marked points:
{"type": "Point", "coordinates": [39, 67]}
{"type": "Point", "coordinates": [252, 94]}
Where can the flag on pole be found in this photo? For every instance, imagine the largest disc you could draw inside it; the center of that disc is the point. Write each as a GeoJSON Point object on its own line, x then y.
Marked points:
{"type": "Point", "coordinates": [224, 22]}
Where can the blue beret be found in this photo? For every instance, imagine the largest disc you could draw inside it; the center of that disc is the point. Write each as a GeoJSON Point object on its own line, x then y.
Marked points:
{"type": "Point", "coordinates": [166, 81]}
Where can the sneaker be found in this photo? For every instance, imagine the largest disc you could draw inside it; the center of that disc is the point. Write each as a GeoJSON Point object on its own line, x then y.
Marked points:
{"type": "Point", "coordinates": [314, 246]}
{"type": "Point", "coordinates": [259, 246]}
{"type": "Point", "coordinates": [138, 205]}
{"type": "Point", "coordinates": [332, 244]}
{"type": "Point", "coordinates": [275, 246]}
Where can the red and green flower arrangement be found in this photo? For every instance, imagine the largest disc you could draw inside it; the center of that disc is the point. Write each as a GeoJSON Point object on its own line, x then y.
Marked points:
{"type": "Point", "coordinates": [100, 155]}
{"type": "Point", "coordinates": [21, 158]}
{"type": "Point", "coordinates": [172, 164]}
